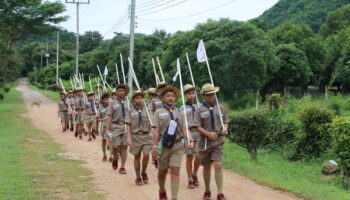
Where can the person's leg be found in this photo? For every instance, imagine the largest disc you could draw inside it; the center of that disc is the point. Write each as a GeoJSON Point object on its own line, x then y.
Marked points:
{"type": "Point", "coordinates": [123, 155]}
{"type": "Point", "coordinates": [218, 176]}
{"type": "Point", "coordinates": [206, 176]}
{"type": "Point", "coordinates": [104, 146]}
{"type": "Point", "coordinates": [137, 165]}
{"type": "Point", "coordinates": [189, 159]}
{"type": "Point", "coordinates": [175, 181]}
{"type": "Point", "coordinates": [196, 164]}
{"type": "Point", "coordinates": [145, 161]}
{"type": "Point", "coordinates": [161, 180]}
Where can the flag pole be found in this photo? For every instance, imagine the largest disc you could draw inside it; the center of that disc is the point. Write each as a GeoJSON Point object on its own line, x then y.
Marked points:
{"type": "Point", "coordinates": [139, 88]}
{"type": "Point", "coordinates": [160, 68]}
{"type": "Point", "coordinates": [155, 72]}
{"type": "Point", "coordinates": [104, 85]}
{"type": "Point", "coordinates": [194, 85]}
{"type": "Point", "coordinates": [121, 60]}
{"type": "Point", "coordinates": [117, 72]}
{"type": "Point", "coordinates": [183, 99]}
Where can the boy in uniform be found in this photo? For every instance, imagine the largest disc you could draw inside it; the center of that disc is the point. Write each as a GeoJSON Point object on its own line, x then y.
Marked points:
{"type": "Point", "coordinates": [71, 102]}
{"type": "Point", "coordinates": [207, 122]}
{"type": "Point", "coordinates": [151, 92]}
{"type": "Point", "coordinates": [101, 122]}
{"type": "Point", "coordinates": [192, 166]}
{"type": "Point", "coordinates": [97, 98]}
{"type": "Point", "coordinates": [62, 111]}
{"type": "Point", "coordinates": [79, 108]}
{"type": "Point", "coordinates": [156, 102]}
{"type": "Point", "coordinates": [139, 136]}
{"type": "Point", "coordinates": [168, 128]}
{"type": "Point", "coordinates": [90, 116]}
{"type": "Point", "coordinates": [116, 127]}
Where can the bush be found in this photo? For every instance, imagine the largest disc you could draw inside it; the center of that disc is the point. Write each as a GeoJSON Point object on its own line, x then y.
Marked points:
{"type": "Point", "coordinates": [249, 129]}
{"type": "Point", "coordinates": [340, 131]}
{"type": "Point", "coordinates": [2, 94]}
{"type": "Point", "coordinates": [6, 88]}
{"type": "Point", "coordinates": [245, 101]}
{"type": "Point", "coordinates": [314, 137]}
{"type": "Point", "coordinates": [275, 101]}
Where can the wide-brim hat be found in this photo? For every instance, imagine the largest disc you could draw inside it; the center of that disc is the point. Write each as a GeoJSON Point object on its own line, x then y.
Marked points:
{"type": "Point", "coordinates": [63, 93]}
{"type": "Point", "coordinates": [125, 86]}
{"type": "Point", "coordinates": [189, 87]}
{"type": "Point", "coordinates": [114, 91]}
{"type": "Point", "coordinates": [79, 89]}
{"type": "Point", "coordinates": [172, 89]}
{"type": "Point", "coordinates": [209, 89]}
{"type": "Point", "coordinates": [90, 93]}
{"type": "Point", "coordinates": [137, 93]}
{"type": "Point", "coordinates": [160, 86]}
{"type": "Point", "coordinates": [151, 91]}
{"type": "Point", "coordinates": [98, 86]}
{"type": "Point", "coordinates": [70, 91]}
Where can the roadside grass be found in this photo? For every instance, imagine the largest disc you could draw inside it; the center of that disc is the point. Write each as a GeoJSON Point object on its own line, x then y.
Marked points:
{"type": "Point", "coordinates": [48, 93]}
{"type": "Point", "coordinates": [302, 178]}
{"type": "Point", "coordinates": [30, 165]}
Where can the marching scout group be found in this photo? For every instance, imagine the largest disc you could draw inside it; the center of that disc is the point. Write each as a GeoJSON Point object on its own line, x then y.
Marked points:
{"type": "Point", "coordinates": [158, 130]}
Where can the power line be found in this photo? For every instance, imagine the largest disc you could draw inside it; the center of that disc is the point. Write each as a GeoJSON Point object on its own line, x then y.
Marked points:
{"type": "Point", "coordinates": [142, 14]}
{"type": "Point", "coordinates": [193, 14]}
{"type": "Point", "coordinates": [156, 6]}
{"type": "Point", "coordinates": [150, 4]}
{"type": "Point", "coordinates": [147, 2]}
{"type": "Point", "coordinates": [117, 23]}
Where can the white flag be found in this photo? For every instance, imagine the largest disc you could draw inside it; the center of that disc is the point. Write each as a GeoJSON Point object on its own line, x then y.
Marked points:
{"type": "Point", "coordinates": [106, 71]}
{"type": "Point", "coordinates": [177, 74]}
{"type": "Point", "coordinates": [201, 53]}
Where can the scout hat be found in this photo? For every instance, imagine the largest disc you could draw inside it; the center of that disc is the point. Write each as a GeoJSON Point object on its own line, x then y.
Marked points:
{"type": "Point", "coordinates": [63, 93]}
{"type": "Point", "coordinates": [70, 91]}
{"type": "Point", "coordinates": [160, 86]}
{"type": "Point", "coordinates": [105, 95]}
{"type": "Point", "coordinates": [170, 88]}
{"type": "Point", "coordinates": [98, 86]}
{"type": "Point", "coordinates": [114, 91]}
{"type": "Point", "coordinates": [126, 87]}
{"type": "Point", "coordinates": [79, 89]}
{"type": "Point", "coordinates": [151, 91]}
{"type": "Point", "coordinates": [90, 93]}
{"type": "Point", "coordinates": [209, 89]}
{"type": "Point", "coordinates": [138, 92]}
{"type": "Point", "coordinates": [188, 87]}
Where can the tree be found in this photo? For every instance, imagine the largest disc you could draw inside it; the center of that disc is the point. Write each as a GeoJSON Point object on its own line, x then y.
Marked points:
{"type": "Point", "coordinates": [19, 18]}
{"type": "Point", "coordinates": [336, 21]}
{"type": "Point", "coordinates": [90, 40]}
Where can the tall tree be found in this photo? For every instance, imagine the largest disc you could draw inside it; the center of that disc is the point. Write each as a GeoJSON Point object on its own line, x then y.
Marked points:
{"type": "Point", "coordinates": [90, 40]}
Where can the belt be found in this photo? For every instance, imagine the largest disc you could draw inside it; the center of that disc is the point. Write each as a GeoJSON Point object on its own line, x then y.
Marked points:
{"type": "Point", "coordinates": [141, 132]}
{"type": "Point", "coordinates": [64, 111]}
{"type": "Point", "coordinates": [119, 123]}
{"type": "Point", "coordinates": [79, 109]}
{"type": "Point", "coordinates": [92, 114]}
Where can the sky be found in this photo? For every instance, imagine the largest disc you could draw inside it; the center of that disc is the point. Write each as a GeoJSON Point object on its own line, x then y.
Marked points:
{"type": "Point", "coordinates": [109, 16]}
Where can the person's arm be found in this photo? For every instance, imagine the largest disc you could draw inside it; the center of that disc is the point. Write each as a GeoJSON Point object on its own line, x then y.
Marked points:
{"type": "Point", "coordinates": [210, 135]}
{"type": "Point", "coordinates": [128, 132]}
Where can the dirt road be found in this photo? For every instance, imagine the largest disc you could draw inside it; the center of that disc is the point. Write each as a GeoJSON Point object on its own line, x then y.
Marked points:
{"type": "Point", "coordinates": [118, 186]}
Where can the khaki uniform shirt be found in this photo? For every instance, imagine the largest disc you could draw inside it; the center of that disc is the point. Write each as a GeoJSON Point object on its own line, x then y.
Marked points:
{"type": "Point", "coordinates": [79, 103]}
{"type": "Point", "coordinates": [102, 111]}
{"type": "Point", "coordinates": [202, 119]}
{"type": "Point", "coordinates": [115, 111]}
{"type": "Point", "coordinates": [137, 125]}
{"type": "Point", "coordinates": [90, 108]}
{"type": "Point", "coordinates": [156, 104]}
{"type": "Point", "coordinates": [190, 115]}
{"type": "Point", "coordinates": [161, 120]}
{"type": "Point", "coordinates": [63, 105]}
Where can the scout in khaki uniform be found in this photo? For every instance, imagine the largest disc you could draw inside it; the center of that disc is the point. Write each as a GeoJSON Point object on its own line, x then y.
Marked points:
{"type": "Point", "coordinates": [192, 166]}
{"type": "Point", "coordinates": [97, 98]}
{"type": "Point", "coordinates": [90, 116]}
{"type": "Point", "coordinates": [168, 145]}
{"type": "Point", "coordinates": [79, 108]}
{"type": "Point", "coordinates": [116, 127]}
{"type": "Point", "coordinates": [151, 93]}
{"type": "Point", "coordinates": [156, 102]}
{"type": "Point", "coordinates": [62, 111]}
{"type": "Point", "coordinates": [139, 136]}
{"type": "Point", "coordinates": [207, 122]}
{"type": "Point", "coordinates": [71, 102]}
{"type": "Point", "coordinates": [101, 122]}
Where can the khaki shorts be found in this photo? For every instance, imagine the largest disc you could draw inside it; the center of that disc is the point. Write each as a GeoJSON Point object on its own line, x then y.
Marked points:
{"type": "Point", "coordinates": [64, 116]}
{"type": "Point", "coordinates": [212, 154]}
{"type": "Point", "coordinates": [119, 140]}
{"type": "Point", "coordinates": [195, 148]}
{"type": "Point", "coordinates": [78, 117]}
{"type": "Point", "coordinates": [171, 157]}
{"type": "Point", "coordinates": [140, 143]}
{"type": "Point", "coordinates": [103, 131]}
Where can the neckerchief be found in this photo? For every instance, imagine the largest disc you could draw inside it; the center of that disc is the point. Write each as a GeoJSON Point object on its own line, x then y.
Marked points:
{"type": "Point", "coordinates": [65, 103]}
{"type": "Point", "coordinates": [170, 110]}
{"type": "Point", "coordinates": [193, 106]}
{"type": "Point", "coordinates": [211, 111]}
{"type": "Point", "coordinates": [139, 110]}
{"type": "Point", "coordinates": [92, 106]}
{"type": "Point", "coordinates": [121, 101]}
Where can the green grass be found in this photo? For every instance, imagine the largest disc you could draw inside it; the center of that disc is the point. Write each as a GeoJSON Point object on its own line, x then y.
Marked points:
{"type": "Point", "coordinates": [30, 166]}
{"type": "Point", "coordinates": [302, 178]}
{"type": "Point", "coordinates": [48, 93]}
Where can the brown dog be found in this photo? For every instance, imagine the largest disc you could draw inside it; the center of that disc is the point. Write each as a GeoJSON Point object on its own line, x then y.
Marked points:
{"type": "Point", "coordinates": [36, 103]}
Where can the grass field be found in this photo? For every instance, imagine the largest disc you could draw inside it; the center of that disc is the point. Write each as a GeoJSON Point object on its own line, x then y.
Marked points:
{"type": "Point", "coordinates": [30, 166]}
{"type": "Point", "coordinates": [302, 178]}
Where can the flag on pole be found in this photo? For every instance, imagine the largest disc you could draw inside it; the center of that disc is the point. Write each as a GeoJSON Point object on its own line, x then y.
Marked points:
{"type": "Point", "coordinates": [176, 75]}
{"type": "Point", "coordinates": [106, 71]}
{"type": "Point", "coordinates": [201, 53]}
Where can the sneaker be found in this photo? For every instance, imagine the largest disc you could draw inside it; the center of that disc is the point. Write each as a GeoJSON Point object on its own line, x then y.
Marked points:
{"type": "Point", "coordinates": [207, 196]}
{"type": "Point", "coordinates": [190, 185]}
{"type": "Point", "coordinates": [76, 134]}
{"type": "Point", "coordinates": [162, 196]}
{"type": "Point", "coordinates": [110, 159]}
{"type": "Point", "coordinates": [107, 146]}
{"type": "Point", "coordinates": [115, 164]}
{"type": "Point", "coordinates": [89, 140]}
{"type": "Point", "coordinates": [122, 171]}
{"type": "Point", "coordinates": [195, 181]}
{"type": "Point", "coordinates": [80, 137]}
{"type": "Point", "coordinates": [145, 178]}
{"type": "Point", "coordinates": [221, 197]}
{"type": "Point", "coordinates": [71, 129]}
{"type": "Point", "coordinates": [104, 159]}
{"type": "Point", "coordinates": [138, 181]}
{"type": "Point", "coordinates": [93, 136]}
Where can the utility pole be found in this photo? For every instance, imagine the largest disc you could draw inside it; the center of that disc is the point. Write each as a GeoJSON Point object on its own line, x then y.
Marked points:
{"type": "Point", "coordinates": [77, 2]}
{"type": "Point", "coordinates": [57, 56]}
{"type": "Point", "coordinates": [132, 39]}
{"type": "Point", "coordinates": [41, 56]}
{"type": "Point", "coordinates": [47, 53]}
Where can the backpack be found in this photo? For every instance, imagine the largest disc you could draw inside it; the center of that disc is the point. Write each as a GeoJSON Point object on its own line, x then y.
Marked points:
{"type": "Point", "coordinates": [169, 140]}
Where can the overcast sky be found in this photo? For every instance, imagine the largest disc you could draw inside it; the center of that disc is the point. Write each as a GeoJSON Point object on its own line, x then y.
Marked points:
{"type": "Point", "coordinates": [108, 16]}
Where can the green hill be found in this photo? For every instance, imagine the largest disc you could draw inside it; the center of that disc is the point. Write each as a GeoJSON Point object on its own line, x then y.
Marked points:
{"type": "Point", "coordinates": [312, 12]}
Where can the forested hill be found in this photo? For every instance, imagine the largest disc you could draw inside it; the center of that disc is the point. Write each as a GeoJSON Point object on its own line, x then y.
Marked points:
{"type": "Point", "coordinates": [311, 12]}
